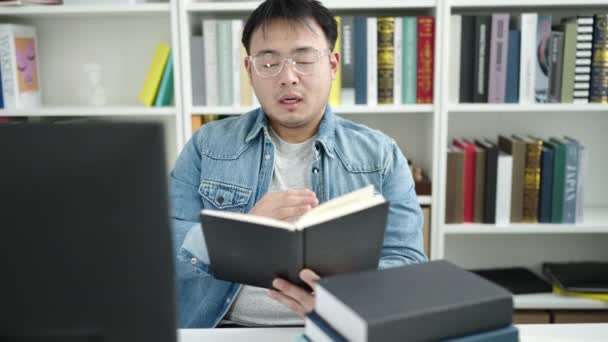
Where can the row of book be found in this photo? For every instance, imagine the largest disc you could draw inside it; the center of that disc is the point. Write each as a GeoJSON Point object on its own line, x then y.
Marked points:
{"type": "Point", "coordinates": [385, 60]}
{"type": "Point", "coordinates": [443, 303]}
{"type": "Point", "coordinates": [515, 179]}
{"type": "Point", "coordinates": [524, 58]}
{"type": "Point", "coordinates": [158, 87]}
{"type": "Point", "coordinates": [20, 87]}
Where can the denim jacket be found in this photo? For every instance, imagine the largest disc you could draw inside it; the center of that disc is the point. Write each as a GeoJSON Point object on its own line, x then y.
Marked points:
{"type": "Point", "coordinates": [227, 165]}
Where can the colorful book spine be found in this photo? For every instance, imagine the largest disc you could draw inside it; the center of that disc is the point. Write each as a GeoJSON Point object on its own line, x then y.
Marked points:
{"type": "Point", "coordinates": [386, 59]}
{"type": "Point", "coordinates": [559, 176]}
{"type": "Point", "coordinates": [532, 180]}
{"type": "Point", "coordinates": [481, 58]}
{"type": "Point", "coordinates": [569, 59]}
{"type": "Point", "coordinates": [468, 198]}
{"type": "Point", "coordinates": [360, 60]}
{"type": "Point", "coordinates": [165, 91]}
{"type": "Point", "coordinates": [546, 183]}
{"type": "Point", "coordinates": [426, 52]}
{"type": "Point", "coordinates": [582, 64]}
{"type": "Point", "coordinates": [599, 63]}
{"type": "Point", "coordinates": [499, 45]}
{"type": "Point", "coordinates": [527, 61]}
{"type": "Point", "coordinates": [410, 59]}
{"type": "Point", "coordinates": [543, 33]}
{"type": "Point", "coordinates": [348, 60]}
{"type": "Point", "coordinates": [556, 55]}
{"type": "Point", "coordinates": [512, 86]}
{"type": "Point", "coordinates": [336, 84]}
{"type": "Point", "coordinates": [155, 73]}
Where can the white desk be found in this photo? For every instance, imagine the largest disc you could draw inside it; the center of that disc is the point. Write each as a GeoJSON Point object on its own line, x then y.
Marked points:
{"type": "Point", "coordinates": [527, 333]}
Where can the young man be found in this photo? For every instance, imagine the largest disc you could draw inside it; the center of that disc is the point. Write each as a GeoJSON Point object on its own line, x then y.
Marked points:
{"type": "Point", "coordinates": [280, 161]}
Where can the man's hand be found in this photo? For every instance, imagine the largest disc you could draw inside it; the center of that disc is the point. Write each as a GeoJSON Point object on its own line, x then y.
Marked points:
{"type": "Point", "coordinates": [299, 300]}
{"type": "Point", "coordinates": [285, 205]}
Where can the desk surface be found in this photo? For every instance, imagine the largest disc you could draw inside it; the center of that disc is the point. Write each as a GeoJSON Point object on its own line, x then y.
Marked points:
{"type": "Point", "coordinates": [527, 332]}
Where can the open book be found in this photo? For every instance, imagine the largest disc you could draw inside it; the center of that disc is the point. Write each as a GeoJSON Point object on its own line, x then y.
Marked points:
{"type": "Point", "coordinates": [341, 235]}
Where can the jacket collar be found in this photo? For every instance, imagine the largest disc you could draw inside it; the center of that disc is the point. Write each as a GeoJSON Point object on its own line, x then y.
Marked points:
{"type": "Point", "coordinates": [325, 135]}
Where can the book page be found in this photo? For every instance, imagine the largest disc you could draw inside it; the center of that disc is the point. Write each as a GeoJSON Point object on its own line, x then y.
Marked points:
{"type": "Point", "coordinates": [261, 220]}
{"type": "Point", "coordinates": [341, 206]}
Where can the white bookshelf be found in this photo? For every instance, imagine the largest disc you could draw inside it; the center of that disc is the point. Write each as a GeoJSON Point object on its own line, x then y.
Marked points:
{"type": "Point", "coordinates": [93, 10]}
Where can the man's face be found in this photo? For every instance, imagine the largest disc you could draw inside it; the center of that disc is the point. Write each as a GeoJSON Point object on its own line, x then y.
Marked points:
{"type": "Point", "coordinates": [291, 99]}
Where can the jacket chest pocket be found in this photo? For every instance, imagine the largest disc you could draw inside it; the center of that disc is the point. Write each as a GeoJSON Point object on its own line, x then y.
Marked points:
{"type": "Point", "coordinates": [224, 196]}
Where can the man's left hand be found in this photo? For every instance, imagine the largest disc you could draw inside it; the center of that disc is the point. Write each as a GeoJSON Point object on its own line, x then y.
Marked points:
{"type": "Point", "coordinates": [299, 300]}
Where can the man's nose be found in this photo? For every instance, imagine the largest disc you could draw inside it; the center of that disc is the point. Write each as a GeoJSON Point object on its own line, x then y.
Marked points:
{"type": "Point", "coordinates": [288, 76]}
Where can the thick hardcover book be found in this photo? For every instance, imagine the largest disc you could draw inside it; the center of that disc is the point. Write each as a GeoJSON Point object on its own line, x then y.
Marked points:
{"type": "Point", "coordinates": [386, 59]}
{"type": "Point", "coordinates": [569, 57]}
{"type": "Point", "coordinates": [468, 197]}
{"type": "Point", "coordinates": [426, 57]}
{"type": "Point", "coordinates": [512, 87]}
{"type": "Point", "coordinates": [532, 179]}
{"type": "Point", "coordinates": [527, 61]}
{"type": "Point", "coordinates": [482, 58]}
{"type": "Point", "coordinates": [410, 59]}
{"type": "Point", "coordinates": [599, 63]}
{"type": "Point", "coordinates": [454, 189]}
{"type": "Point", "coordinates": [503, 188]}
{"type": "Point", "coordinates": [442, 301]}
{"type": "Point", "coordinates": [480, 178]}
{"type": "Point", "coordinates": [318, 330]}
{"type": "Point", "coordinates": [556, 62]}
{"type": "Point", "coordinates": [342, 235]}
{"type": "Point", "coordinates": [360, 59]}
{"type": "Point", "coordinates": [499, 45]}
{"type": "Point", "coordinates": [516, 147]}
{"type": "Point", "coordinates": [586, 276]}
{"type": "Point", "coordinates": [546, 183]}
{"type": "Point", "coordinates": [348, 59]}
{"type": "Point", "coordinates": [570, 179]}
{"type": "Point", "coordinates": [489, 210]}
{"type": "Point", "coordinates": [508, 334]}
{"type": "Point", "coordinates": [467, 59]}
{"type": "Point", "coordinates": [518, 280]}
{"type": "Point", "coordinates": [559, 177]}
{"type": "Point", "coordinates": [582, 63]}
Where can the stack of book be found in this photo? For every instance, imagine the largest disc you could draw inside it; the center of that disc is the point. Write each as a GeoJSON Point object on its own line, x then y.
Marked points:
{"type": "Point", "coordinates": [158, 87]}
{"type": "Point", "coordinates": [518, 179]}
{"type": "Point", "coordinates": [435, 301]}
{"type": "Point", "coordinates": [579, 279]}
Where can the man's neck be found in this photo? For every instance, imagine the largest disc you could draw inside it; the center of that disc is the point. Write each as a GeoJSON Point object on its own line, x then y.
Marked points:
{"type": "Point", "coordinates": [296, 135]}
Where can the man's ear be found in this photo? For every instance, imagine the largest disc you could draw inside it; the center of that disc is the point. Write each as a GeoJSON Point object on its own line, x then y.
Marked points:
{"type": "Point", "coordinates": [334, 62]}
{"type": "Point", "coordinates": [248, 67]}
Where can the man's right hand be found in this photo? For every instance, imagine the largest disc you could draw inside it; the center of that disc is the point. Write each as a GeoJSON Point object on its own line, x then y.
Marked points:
{"type": "Point", "coordinates": [285, 205]}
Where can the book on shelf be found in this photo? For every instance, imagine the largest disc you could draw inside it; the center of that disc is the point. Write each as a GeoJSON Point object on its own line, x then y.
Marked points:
{"type": "Point", "coordinates": [443, 301]}
{"type": "Point", "coordinates": [149, 91]}
{"type": "Point", "coordinates": [165, 89]}
{"type": "Point", "coordinates": [386, 59]}
{"type": "Point", "coordinates": [254, 250]}
{"type": "Point", "coordinates": [20, 67]}
{"type": "Point", "coordinates": [578, 276]}
{"type": "Point", "coordinates": [518, 280]}
{"type": "Point", "coordinates": [499, 45]}
{"type": "Point", "coordinates": [454, 192]}
{"type": "Point", "coordinates": [599, 62]}
{"type": "Point", "coordinates": [543, 35]}
{"type": "Point", "coordinates": [335, 92]}
{"type": "Point", "coordinates": [425, 59]}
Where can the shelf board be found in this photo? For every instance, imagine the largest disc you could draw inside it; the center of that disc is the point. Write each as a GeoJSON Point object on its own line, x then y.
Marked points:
{"type": "Point", "coordinates": [249, 6]}
{"type": "Point", "coordinates": [91, 111]}
{"type": "Point", "coordinates": [425, 200]}
{"type": "Point", "coordinates": [84, 10]}
{"type": "Point", "coordinates": [356, 109]}
{"type": "Point", "coordinates": [553, 301]}
{"type": "Point", "coordinates": [521, 108]}
{"type": "Point", "coordinates": [595, 222]}
{"type": "Point", "coordinates": [525, 3]}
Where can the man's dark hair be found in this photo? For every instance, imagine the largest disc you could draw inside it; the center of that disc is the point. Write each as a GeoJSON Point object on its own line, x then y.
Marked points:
{"type": "Point", "coordinates": [291, 10]}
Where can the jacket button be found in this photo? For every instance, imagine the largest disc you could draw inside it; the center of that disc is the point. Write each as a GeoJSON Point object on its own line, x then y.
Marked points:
{"type": "Point", "coordinates": [193, 261]}
{"type": "Point", "coordinates": [315, 170]}
{"type": "Point", "coordinates": [220, 199]}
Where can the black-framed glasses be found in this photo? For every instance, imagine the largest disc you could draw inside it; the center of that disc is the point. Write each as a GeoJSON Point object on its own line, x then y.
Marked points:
{"type": "Point", "coordinates": [270, 64]}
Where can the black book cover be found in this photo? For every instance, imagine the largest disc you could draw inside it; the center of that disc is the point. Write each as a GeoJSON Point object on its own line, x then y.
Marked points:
{"type": "Point", "coordinates": [467, 59]}
{"type": "Point", "coordinates": [518, 280]}
{"type": "Point", "coordinates": [253, 251]}
{"type": "Point", "coordinates": [489, 210]}
{"type": "Point", "coordinates": [422, 302]}
{"type": "Point", "coordinates": [482, 58]}
{"type": "Point", "coordinates": [583, 276]}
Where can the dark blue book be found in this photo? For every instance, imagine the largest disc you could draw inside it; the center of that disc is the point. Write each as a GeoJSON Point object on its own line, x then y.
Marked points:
{"type": "Point", "coordinates": [317, 329]}
{"type": "Point", "coordinates": [546, 183]}
{"type": "Point", "coordinates": [507, 334]}
{"type": "Point", "coordinates": [360, 42]}
{"type": "Point", "coordinates": [512, 87]}
{"type": "Point", "coordinates": [1, 93]}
